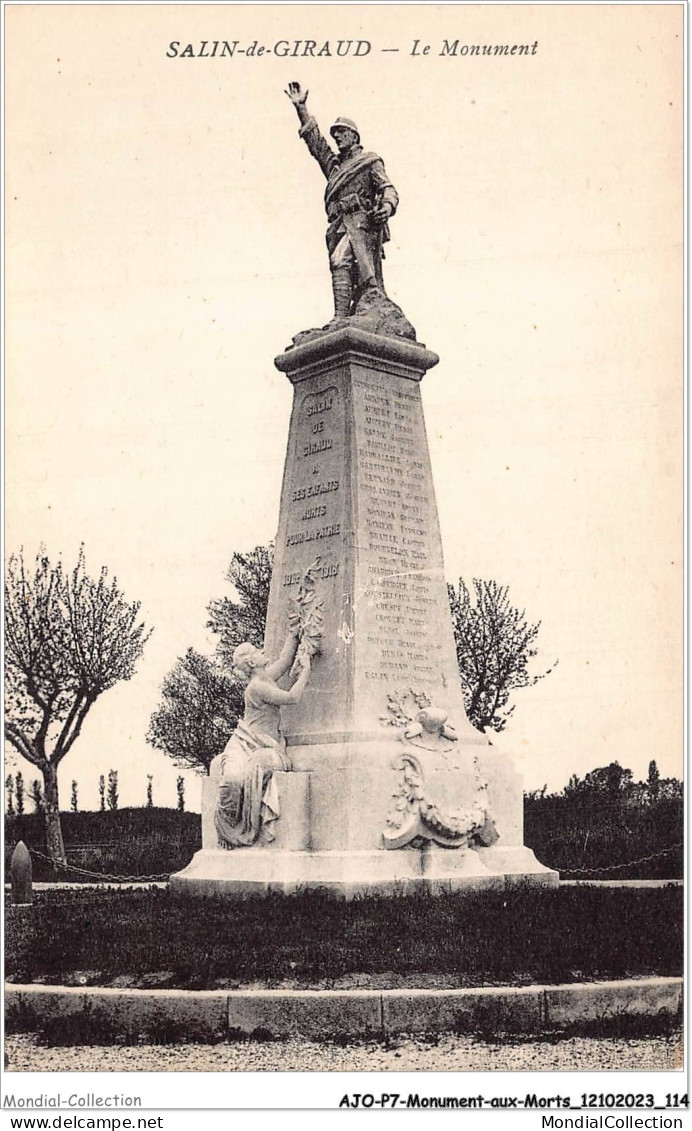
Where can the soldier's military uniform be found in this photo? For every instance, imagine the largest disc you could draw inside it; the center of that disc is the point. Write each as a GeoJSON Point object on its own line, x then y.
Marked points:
{"type": "Point", "coordinates": [357, 184]}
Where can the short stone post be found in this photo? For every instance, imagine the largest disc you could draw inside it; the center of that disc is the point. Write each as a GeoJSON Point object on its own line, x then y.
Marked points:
{"type": "Point", "coordinates": [20, 923]}
{"type": "Point", "coordinates": [20, 876]}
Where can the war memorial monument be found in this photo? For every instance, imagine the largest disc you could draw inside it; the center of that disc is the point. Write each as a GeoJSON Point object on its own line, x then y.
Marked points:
{"type": "Point", "coordinates": [355, 767]}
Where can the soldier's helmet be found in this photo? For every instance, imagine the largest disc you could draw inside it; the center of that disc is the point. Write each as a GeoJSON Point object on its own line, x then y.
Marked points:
{"type": "Point", "coordinates": [345, 124]}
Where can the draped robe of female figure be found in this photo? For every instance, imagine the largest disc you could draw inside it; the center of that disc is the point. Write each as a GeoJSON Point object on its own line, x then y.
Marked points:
{"type": "Point", "coordinates": [248, 801]}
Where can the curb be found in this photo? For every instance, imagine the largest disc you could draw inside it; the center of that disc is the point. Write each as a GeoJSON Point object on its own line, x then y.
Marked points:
{"type": "Point", "coordinates": [138, 885]}
{"type": "Point", "coordinates": [219, 1014]}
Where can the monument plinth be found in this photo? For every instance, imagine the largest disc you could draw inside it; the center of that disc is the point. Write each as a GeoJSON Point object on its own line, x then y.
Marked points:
{"type": "Point", "coordinates": [389, 785]}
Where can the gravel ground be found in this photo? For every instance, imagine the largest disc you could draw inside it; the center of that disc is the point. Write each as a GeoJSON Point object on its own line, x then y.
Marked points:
{"type": "Point", "coordinates": [448, 1054]}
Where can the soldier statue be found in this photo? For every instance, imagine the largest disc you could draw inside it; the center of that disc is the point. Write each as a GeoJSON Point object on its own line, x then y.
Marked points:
{"type": "Point", "coordinates": [359, 200]}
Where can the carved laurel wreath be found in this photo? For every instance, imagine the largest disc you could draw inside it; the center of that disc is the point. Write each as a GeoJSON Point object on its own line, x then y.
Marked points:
{"type": "Point", "coordinates": [307, 612]}
{"type": "Point", "coordinates": [455, 826]}
{"type": "Point", "coordinates": [402, 707]}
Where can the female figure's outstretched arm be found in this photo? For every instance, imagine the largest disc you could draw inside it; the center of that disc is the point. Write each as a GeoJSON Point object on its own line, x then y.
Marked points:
{"type": "Point", "coordinates": [284, 661]}
{"type": "Point", "coordinates": [278, 698]}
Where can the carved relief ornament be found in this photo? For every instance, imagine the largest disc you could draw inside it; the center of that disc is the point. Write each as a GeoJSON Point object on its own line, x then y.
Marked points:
{"type": "Point", "coordinates": [415, 815]}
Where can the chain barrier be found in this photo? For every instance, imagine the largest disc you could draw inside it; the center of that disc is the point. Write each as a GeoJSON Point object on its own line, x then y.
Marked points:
{"type": "Point", "coordinates": [91, 844]}
{"type": "Point", "coordinates": [615, 867]}
{"type": "Point", "coordinates": [165, 875]}
{"type": "Point", "coordinates": [98, 875]}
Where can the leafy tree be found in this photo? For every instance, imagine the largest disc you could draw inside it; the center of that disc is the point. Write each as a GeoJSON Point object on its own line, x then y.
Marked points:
{"type": "Point", "coordinates": [671, 788]}
{"type": "Point", "coordinates": [609, 822]}
{"type": "Point", "coordinates": [150, 791]}
{"type": "Point", "coordinates": [180, 788]}
{"type": "Point", "coordinates": [73, 798]}
{"type": "Point", "coordinates": [102, 793]}
{"type": "Point", "coordinates": [9, 794]}
{"type": "Point", "coordinates": [495, 645]}
{"type": "Point", "coordinates": [653, 780]}
{"type": "Point", "coordinates": [68, 638]}
{"type": "Point", "coordinates": [610, 782]}
{"type": "Point", "coordinates": [200, 707]}
{"type": "Point", "coordinates": [112, 795]}
{"type": "Point", "coordinates": [236, 621]}
{"type": "Point", "coordinates": [200, 702]}
{"type": "Point", "coordinates": [614, 785]}
{"type": "Point", "coordinates": [36, 795]}
{"type": "Point", "coordinates": [19, 792]}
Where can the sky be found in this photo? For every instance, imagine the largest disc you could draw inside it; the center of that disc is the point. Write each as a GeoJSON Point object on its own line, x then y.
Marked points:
{"type": "Point", "coordinates": [165, 240]}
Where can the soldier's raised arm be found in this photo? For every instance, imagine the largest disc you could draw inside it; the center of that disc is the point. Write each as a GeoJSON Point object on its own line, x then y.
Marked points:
{"type": "Point", "coordinates": [299, 98]}
{"type": "Point", "coordinates": [309, 130]}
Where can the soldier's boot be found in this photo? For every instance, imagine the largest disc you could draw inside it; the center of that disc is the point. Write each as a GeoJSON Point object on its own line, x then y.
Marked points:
{"type": "Point", "coordinates": [341, 287]}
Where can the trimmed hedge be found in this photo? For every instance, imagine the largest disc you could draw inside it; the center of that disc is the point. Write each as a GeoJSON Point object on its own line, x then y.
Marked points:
{"type": "Point", "coordinates": [576, 837]}
{"type": "Point", "coordinates": [124, 842]}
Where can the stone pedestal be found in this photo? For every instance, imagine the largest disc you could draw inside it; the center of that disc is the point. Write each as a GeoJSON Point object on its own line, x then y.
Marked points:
{"type": "Point", "coordinates": [358, 516]}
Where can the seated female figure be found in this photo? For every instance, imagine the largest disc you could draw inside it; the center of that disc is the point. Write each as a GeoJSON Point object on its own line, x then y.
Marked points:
{"type": "Point", "coordinates": [247, 801]}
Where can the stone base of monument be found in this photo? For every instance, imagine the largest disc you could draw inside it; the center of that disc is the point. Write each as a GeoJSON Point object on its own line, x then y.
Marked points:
{"type": "Point", "coordinates": [336, 808]}
{"type": "Point", "coordinates": [348, 874]}
{"type": "Point", "coordinates": [431, 870]}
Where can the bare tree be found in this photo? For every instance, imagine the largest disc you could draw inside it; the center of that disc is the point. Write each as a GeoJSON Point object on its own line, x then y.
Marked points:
{"type": "Point", "coordinates": [495, 644]}
{"type": "Point", "coordinates": [68, 638]}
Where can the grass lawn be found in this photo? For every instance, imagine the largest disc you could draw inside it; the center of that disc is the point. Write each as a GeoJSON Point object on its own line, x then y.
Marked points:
{"type": "Point", "coordinates": [152, 937]}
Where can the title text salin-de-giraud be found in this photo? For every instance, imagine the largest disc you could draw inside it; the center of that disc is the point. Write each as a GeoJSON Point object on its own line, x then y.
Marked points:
{"type": "Point", "coordinates": [451, 48]}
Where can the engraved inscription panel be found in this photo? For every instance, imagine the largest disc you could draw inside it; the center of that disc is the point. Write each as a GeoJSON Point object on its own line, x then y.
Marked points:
{"type": "Point", "coordinates": [314, 506]}
{"type": "Point", "coordinates": [311, 528]}
{"type": "Point", "coordinates": [401, 594]}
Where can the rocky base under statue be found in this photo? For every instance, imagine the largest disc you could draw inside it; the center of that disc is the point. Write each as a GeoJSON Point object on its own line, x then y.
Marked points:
{"type": "Point", "coordinates": [374, 313]}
